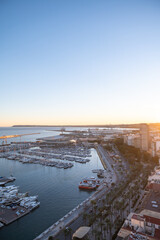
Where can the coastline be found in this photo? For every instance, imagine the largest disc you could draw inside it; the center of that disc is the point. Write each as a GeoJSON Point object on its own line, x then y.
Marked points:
{"type": "Point", "coordinates": [136, 125]}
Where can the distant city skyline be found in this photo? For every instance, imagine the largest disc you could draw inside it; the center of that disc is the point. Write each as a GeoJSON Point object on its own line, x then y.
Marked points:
{"type": "Point", "coordinates": [79, 62]}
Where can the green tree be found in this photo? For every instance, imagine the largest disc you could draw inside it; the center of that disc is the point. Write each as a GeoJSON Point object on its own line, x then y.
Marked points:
{"type": "Point", "coordinates": [50, 238]}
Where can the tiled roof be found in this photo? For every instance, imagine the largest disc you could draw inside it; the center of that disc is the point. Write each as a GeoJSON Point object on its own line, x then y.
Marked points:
{"type": "Point", "coordinates": [152, 220]}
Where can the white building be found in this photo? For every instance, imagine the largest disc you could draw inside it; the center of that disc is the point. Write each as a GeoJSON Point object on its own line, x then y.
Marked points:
{"type": "Point", "coordinates": [146, 224]}
{"type": "Point", "coordinates": [132, 140]}
{"type": "Point", "coordinates": [155, 146]}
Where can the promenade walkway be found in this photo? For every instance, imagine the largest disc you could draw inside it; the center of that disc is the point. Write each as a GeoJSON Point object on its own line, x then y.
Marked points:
{"type": "Point", "coordinates": [106, 161]}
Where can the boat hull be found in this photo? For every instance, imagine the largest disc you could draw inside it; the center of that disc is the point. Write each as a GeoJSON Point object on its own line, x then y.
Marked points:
{"type": "Point", "coordinates": [87, 187]}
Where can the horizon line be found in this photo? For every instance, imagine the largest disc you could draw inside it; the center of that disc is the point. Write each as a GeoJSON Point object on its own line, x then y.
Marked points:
{"type": "Point", "coordinates": [78, 125]}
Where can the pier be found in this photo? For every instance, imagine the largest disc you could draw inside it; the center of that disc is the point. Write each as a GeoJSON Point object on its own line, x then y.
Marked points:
{"type": "Point", "coordinates": [14, 205]}
{"type": "Point", "coordinates": [8, 216]}
{"type": "Point", "coordinates": [45, 155]}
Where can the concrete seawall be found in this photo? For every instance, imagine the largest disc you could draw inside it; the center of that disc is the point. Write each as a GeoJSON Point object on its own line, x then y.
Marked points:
{"type": "Point", "coordinates": [70, 217]}
{"type": "Point", "coordinates": [106, 161]}
{"type": "Point", "coordinates": [101, 158]}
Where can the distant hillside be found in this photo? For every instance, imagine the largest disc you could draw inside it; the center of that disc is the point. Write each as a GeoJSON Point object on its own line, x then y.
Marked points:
{"type": "Point", "coordinates": [108, 126]}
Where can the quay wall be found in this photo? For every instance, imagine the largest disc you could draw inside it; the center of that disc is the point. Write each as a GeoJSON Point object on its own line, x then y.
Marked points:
{"type": "Point", "coordinates": [101, 158]}
{"type": "Point", "coordinates": [71, 216]}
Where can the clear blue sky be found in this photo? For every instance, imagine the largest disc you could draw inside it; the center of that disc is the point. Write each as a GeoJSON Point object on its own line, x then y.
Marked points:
{"type": "Point", "coordinates": [79, 62]}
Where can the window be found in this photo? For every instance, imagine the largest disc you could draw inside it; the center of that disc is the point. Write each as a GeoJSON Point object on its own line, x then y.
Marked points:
{"type": "Point", "coordinates": [148, 224]}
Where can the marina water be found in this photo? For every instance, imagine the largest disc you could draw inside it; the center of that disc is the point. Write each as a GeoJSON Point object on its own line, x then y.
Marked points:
{"type": "Point", "coordinates": [57, 189]}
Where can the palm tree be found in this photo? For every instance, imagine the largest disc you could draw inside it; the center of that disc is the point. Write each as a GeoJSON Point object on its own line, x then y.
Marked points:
{"type": "Point", "coordinates": [85, 215]}
{"type": "Point", "coordinates": [130, 194]}
{"type": "Point", "coordinates": [50, 238]}
{"type": "Point", "coordinates": [107, 221]}
{"type": "Point", "coordinates": [108, 197]}
{"type": "Point", "coordinates": [101, 224]}
{"type": "Point", "coordinates": [70, 232]}
{"type": "Point", "coordinates": [104, 231]}
{"type": "Point", "coordinates": [95, 208]}
{"type": "Point", "coordinates": [110, 228]}
{"type": "Point", "coordinates": [99, 235]}
{"type": "Point", "coordinates": [65, 233]}
{"type": "Point", "coordinates": [95, 233]}
{"type": "Point", "coordinates": [110, 213]}
{"type": "Point", "coordinates": [103, 201]}
{"type": "Point", "coordinates": [93, 203]}
{"type": "Point", "coordinates": [121, 208]}
{"type": "Point", "coordinates": [117, 224]}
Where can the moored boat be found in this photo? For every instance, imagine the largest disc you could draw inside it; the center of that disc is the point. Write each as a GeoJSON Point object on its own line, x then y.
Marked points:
{"type": "Point", "coordinates": [92, 180]}
{"type": "Point", "coordinates": [87, 185]}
